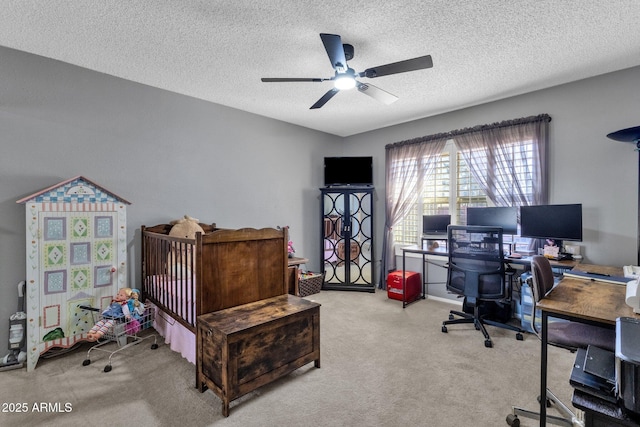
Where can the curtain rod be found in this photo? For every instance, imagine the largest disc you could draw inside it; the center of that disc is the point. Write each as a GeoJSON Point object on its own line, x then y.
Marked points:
{"type": "Point", "coordinates": [448, 135]}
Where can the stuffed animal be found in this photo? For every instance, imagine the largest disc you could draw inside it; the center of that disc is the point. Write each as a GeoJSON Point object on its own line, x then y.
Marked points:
{"type": "Point", "coordinates": [181, 258]}
{"type": "Point", "coordinates": [185, 227]}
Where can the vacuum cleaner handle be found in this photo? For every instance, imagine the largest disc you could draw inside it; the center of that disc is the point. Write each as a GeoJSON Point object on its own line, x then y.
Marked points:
{"type": "Point", "coordinates": [22, 306]}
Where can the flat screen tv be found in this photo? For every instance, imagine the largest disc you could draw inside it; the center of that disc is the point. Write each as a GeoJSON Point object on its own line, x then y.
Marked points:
{"type": "Point", "coordinates": [435, 224]}
{"type": "Point", "coordinates": [501, 216]}
{"type": "Point", "coordinates": [348, 171]}
{"type": "Point", "coordinates": [555, 222]}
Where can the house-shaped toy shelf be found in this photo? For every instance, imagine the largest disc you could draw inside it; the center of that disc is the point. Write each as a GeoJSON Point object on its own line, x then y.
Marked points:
{"type": "Point", "coordinates": [76, 253]}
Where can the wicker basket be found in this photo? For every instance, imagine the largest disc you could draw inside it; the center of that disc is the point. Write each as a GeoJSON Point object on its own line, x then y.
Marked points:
{"type": "Point", "coordinates": [310, 283]}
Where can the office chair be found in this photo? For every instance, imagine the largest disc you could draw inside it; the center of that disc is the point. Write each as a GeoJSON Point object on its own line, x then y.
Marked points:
{"type": "Point", "coordinates": [568, 335]}
{"type": "Point", "coordinates": [476, 271]}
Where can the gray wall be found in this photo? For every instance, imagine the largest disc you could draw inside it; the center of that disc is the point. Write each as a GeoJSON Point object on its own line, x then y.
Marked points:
{"type": "Point", "coordinates": [167, 154]}
{"type": "Point", "coordinates": [586, 166]}
{"type": "Point", "coordinates": [172, 155]}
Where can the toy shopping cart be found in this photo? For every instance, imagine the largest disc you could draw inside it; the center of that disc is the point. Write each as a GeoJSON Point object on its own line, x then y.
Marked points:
{"type": "Point", "coordinates": [124, 332]}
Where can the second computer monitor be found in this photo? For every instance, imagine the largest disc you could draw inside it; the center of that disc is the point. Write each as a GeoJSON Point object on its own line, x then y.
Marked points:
{"type": "Point", "coordinates": [505, 217]}
{"type": "Point", "coordinates": [435, 224]}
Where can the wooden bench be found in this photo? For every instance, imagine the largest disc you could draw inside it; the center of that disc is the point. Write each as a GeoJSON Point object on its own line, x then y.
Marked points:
{"type": "Point", "coordinates": [242, 348]}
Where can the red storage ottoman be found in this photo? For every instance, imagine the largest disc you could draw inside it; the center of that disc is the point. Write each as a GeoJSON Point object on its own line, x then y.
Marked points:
{"type": "Point", "coordinates": [413, 288]}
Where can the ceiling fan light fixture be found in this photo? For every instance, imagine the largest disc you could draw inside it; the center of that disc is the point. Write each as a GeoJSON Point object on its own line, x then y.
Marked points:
{"type": "Point", "coordinates": [345, 81]}
{"type": "Point", "coordinates": [345, 78]}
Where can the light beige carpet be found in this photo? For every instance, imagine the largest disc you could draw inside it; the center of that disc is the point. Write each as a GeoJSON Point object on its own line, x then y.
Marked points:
{"type": "Point", "coordinates": [382, 365]}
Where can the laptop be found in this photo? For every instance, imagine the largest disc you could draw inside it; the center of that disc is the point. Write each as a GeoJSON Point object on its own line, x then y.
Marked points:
{"type": "Point", "coordinates": [594, 373]}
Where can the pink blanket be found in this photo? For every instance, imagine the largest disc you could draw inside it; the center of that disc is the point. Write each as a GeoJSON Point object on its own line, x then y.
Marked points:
{"type": "Point", "coordinates": [179, 338]}
{"type": "Point", "coordinates": [178, 298]}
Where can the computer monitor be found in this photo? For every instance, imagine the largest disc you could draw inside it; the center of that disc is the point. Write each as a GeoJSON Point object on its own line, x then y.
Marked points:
{"type": "Point", "coordinates": [554, 222]}
{"type": "Point", "coordinates": [435, 224]}
{"type": "Point", "coordinates": [501, 216]}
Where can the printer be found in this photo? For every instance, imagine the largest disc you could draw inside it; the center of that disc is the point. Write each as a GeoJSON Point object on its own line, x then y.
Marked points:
{"type": "Point", "coordinates": [632, 295]}
{"type": "Point", "coordinates": [627, 368]}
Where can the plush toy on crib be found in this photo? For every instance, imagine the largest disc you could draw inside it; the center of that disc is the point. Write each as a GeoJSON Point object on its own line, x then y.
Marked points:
{"type": "Point", "coordinates": [181, 258]}
{"type": "Point", "coordinates": [117, 310]}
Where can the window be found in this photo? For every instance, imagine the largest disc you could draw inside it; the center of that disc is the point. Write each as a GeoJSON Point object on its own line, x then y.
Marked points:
{"type": "Point", "coordinates": [499, 164]}
{"type": "Point", "coordinates": [453, 186]}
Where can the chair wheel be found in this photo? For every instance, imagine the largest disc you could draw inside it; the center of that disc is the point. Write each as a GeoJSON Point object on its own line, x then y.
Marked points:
{"type": "Point", "coordinates": [107, 368]}
{"type": "Point", "coordinates": [86, 362]}
{"type": "Point", "coordinates": [519, 336]}
{"type": "Point", "coordinates": [154, 346]}
{"type": "Point", "coordinates": [487, 343]}
{"type": "Point", "coordinates": [450, 316]}
{"type": "Point", "coordinates": [513, 420]}
{"type": "Point", "coordinates": [444, 329]}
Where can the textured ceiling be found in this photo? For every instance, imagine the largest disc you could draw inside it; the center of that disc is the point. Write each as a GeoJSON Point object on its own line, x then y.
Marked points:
{"type": "Point", "coordinates": [482, 50]}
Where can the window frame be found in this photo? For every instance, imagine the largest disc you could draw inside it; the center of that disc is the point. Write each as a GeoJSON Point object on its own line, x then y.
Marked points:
{"type": "Point", "coordinates": [409, 230]}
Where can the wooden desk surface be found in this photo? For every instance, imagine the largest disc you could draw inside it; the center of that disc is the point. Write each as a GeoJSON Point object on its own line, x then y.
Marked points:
{"type": "Point", "coordinates": [567, 263]}
{"type": "Point", "coordinates": [296, 261]}
{"type": "Point", "coordinates": [589, 299]}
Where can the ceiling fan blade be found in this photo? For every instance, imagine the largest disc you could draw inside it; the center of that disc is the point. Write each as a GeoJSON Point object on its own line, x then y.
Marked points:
{"type": "Point", "coordinates": [335, 50]}
{"type": "Point", "coordinates": [287, 79]}
{"type": "Point", "coordinates": [327, 96]}
{"type": "Point", "coordinates": [414, 64]}
{"type": "Point", "coordinates": [377, 93]}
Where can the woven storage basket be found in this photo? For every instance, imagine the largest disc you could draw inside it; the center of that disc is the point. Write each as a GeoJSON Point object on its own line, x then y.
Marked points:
{"type": "Point", "coordinates": [310, 283]}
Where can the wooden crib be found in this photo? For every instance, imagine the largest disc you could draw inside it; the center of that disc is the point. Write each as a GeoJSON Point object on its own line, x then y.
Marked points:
{"type": "Point", "coordinates": [221, 268]}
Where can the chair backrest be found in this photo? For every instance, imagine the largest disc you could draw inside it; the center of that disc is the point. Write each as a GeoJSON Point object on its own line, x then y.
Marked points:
{"type": "Point", "coordinates": [476, 262]}
{"type": "Point", "coordinates": [542, 282]}
{"type": "Point", "coordinates": [542, 277]}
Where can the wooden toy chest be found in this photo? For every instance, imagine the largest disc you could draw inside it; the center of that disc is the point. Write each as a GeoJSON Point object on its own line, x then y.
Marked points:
{"type": "Point", "coordinates": [242, 348]}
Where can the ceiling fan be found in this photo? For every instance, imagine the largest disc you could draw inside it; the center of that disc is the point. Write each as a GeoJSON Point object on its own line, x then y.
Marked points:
{"type": "Point", "coordinates": [345, 77]}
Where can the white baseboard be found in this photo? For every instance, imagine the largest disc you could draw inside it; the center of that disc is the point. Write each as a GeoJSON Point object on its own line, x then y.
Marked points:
{"type": "Point", "coordinates": [447, 300]}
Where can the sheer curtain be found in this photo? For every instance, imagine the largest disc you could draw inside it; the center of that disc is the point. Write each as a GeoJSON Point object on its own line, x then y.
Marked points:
{"type": "Point", "coordinates": [407, 165]}
{"type": "Point", "coordinates": [495, 152]}
{"type": "Point", "coordinates": [495, 156]}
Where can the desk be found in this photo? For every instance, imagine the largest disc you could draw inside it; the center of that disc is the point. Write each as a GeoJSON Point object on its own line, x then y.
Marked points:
{"type": "Point", "coordinates": [442, 252]}
{"type": "Point", "coordinates": [425, 278]}
{"type": "Point", "coordinates": [579, 300]}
